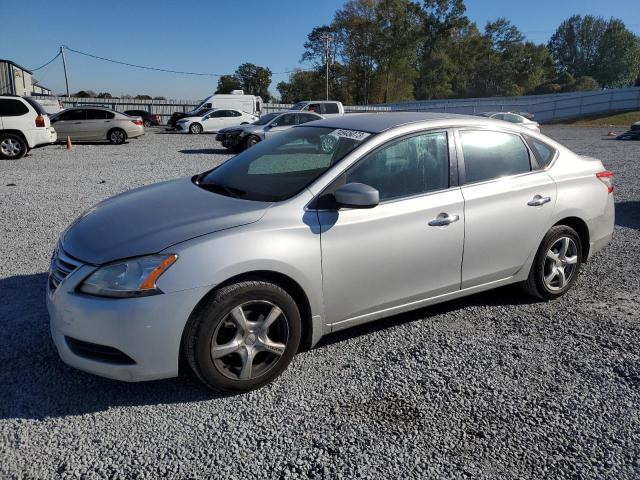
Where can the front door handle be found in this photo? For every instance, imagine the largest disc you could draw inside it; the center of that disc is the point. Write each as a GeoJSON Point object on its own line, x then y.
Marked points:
{"type": "Point", "coordinates": [443, 219]}
{"type": "Point", "coordinates": [538, 201]}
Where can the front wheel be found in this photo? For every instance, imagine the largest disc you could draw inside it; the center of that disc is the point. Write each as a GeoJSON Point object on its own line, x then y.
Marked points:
{"type": "Point", "coordinates": [117, 136]}
{"type": "Point", "coordinates": [12, 147]}
{"type": "Point", "coordinates": [243, 337]}
{"type": "Point", "coordinates": [557, 264]}
{"type": "Point", "coordinates": [195, 128]}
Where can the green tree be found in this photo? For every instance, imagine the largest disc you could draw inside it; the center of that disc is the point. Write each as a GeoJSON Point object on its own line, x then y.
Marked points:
{"type": "Point", "coordinates": [228, 83]}
{"type": "Point", "coordinates": [143, 97]}
{"type": "Point", "coordinates": [255, 80]}
{"type": "Point", "coordinates": [593, 46]}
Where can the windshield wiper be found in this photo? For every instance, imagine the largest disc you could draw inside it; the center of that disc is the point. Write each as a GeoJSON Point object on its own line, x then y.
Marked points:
{"type": "Point", "coordinates": [223, 189]}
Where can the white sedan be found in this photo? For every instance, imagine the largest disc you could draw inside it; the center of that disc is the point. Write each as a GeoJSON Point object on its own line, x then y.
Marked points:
{"type": "Point", "coordinates": [214, 121]}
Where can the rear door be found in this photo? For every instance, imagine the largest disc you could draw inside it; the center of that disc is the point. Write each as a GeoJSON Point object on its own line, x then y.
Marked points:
{"type": "Point", "coordinates": [508, 203]}
{"type": "Point", "coordinates": [98, 123]}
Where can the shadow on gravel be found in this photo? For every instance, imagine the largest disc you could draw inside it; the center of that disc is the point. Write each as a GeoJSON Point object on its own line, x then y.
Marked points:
{"type": "Point", "coordinates": [628, 214]}
{"type": "Point", "coordinates": [206, 151]}
{"type": "Point", "coordinates": [35, 384]}
{"type": "Point", "coordinates": [509, 295]}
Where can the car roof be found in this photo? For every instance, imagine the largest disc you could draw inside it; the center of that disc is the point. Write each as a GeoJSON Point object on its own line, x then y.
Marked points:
{"type": "Point", "coordinates": [380, 121]}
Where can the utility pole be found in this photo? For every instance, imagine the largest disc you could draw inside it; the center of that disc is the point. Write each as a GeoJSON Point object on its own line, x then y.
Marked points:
{"type": "Point", "coordinates": [327, 55]}
{"type": "Point", "coordinates": [64, 64]}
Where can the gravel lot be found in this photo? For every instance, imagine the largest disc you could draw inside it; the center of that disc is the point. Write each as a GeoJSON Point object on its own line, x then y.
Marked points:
{"type": "Point", "coordinates": [492, 386]}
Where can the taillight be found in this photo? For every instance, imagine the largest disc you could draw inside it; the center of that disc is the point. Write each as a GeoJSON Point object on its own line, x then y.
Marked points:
{"type": "Point", "coordinates": [39, 121]}
{"type": "Point", "coordinates": [137, 122]}
{"type": "Point", "coordinates": [606, 177]}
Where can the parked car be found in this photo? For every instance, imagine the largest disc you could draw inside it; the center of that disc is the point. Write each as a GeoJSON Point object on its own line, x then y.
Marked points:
{"type": "Point", "coordinates": [245, 136]}
{"type": "Point", "coordinates": [632, 134]}
{"type": "Point", "coordinates": [148, 119]}
{"type": "Point", "coordinates": [214, 121]}
{"type": "Point", "coordinates": [513, 118]}
{"type": "Point", "coordinates": [50, 103]}
{"type": "Point", "coordinates": [96, 124]}
{"type": "Point", "coordinates": [328, 225]}
{"type": "Point", "coordinates": [24, 125]}
{"type": "Point", "coordinates": [326, 108]}
{"type": "Point", "coordinates": [236, 100]}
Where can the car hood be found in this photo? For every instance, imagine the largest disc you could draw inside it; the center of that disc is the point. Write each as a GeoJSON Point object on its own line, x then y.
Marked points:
{"type": "Point", "coordinates": [150, 219]}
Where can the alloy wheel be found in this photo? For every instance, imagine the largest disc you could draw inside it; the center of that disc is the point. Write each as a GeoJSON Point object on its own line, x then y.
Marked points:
{"type": "Point", "coordinates": [117, 136]}
{"type": "Point", "coordinates": [10, 147]}
{"type": "Point", "coordinates": [250, 340]}
{"type": "Point", "coordinates": [560, 264]}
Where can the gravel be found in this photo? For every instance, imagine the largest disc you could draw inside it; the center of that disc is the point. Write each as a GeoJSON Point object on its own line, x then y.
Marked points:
{"type": "Point", "coordinates": [491, 386]}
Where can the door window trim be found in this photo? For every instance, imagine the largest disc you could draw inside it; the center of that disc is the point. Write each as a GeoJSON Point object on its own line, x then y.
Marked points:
{"type": "Point", "coordinates": [533, 162]}
{"type": "Point", "coordinates": [453, 169]}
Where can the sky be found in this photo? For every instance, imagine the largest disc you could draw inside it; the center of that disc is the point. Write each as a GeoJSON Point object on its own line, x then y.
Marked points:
{"type": "Point", "coordinates": [213, 36]}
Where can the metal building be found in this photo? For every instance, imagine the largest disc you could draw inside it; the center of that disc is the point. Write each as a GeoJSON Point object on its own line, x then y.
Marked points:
{"type": "Point", "coordinates": [17, 80]}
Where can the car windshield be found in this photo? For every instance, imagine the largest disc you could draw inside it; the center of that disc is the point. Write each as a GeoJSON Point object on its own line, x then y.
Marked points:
{"type": "Point", "coordinates": [281, 167]}
{"type": "Point", "coordinates": [298, 106]}
{"type": "Point", "coordinates": [266, 119]}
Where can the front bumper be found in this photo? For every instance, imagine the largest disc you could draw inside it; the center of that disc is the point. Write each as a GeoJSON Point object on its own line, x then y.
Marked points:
{"type": "Point", "coordinates": [148, 330]}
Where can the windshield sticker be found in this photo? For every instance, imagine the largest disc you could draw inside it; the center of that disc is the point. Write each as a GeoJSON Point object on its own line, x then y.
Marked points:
{"type": "Point", "coordinates": [352, 134]}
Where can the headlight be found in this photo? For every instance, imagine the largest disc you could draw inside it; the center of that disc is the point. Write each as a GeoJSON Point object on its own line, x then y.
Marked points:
{"type": "Point", "coordinates": [135, 277]}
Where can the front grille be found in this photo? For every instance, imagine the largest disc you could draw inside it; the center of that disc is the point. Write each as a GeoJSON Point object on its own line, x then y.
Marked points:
{"type": "Point", "coordinates": [102, 353]}
{"type": "Point", "coordinates": [61, 266]}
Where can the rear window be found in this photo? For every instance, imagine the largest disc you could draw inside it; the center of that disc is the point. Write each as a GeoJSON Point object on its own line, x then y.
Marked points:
{"type": "Point", "coordinates": [544, 153]}
{"type": "Point", "coordinates": [11, 107]}
{"type": "Point", "coordinates": [331, 108]}
{"type": "Point", "coordinates": [36, 106]}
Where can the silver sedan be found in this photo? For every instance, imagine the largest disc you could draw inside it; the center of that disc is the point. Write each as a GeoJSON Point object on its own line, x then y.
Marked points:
{"type": "Point", "coordinates": [328, 225]}
{"type": "Point", "coordinates": [96, 124]}
{"type": "Point", "coordinates": [513, 117]}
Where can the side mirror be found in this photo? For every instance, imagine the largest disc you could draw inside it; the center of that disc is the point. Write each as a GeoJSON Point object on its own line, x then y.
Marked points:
{"type": "Point", "coordinates": [356, 195]}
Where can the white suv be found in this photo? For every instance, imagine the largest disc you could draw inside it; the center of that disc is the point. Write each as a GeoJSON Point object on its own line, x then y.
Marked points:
{"type": "Point", "coordinates": [24, 125]}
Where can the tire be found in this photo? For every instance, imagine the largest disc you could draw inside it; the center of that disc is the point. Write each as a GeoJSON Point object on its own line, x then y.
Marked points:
{"type": "Point", "coordinates": [556, 265]}
{"type": "Point", "coordinates": [12, 147]}
{"type": "Point", "coordinates": [146, 123]}
{"type": "Point", "coordinates": [250, 356]}
{"type": "Point", "coordinates": [117, 136]}
{"type": "Point", "coordinates": [195, 128]}
{"type": "Point", "coordinates": [251, 141]}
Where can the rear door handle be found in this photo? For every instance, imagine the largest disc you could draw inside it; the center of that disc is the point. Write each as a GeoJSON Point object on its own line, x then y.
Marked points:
{"type": "Point", "coordinates": [443, 219]}
{"type": "Point", "coordinates": [538, 201]}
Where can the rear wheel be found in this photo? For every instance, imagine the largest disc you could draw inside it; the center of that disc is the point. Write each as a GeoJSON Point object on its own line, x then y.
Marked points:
{"type": "Point", "coordinates": [12, 147]}
{"type": "Point", "coordinates": [557, 264]}
{"type": "Point", "coordinates": [195, 128]}
{"type": "Point", "coordinates": [117, 136]}
{"type": "Point", "coordinates": [243, 337]}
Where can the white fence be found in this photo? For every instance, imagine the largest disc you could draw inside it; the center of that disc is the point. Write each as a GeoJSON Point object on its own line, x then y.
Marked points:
{"type": "Point", "coordinates": [546, 108]}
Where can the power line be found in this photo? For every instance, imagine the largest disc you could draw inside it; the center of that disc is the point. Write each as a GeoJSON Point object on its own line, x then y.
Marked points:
{"type": "Point", "coordinates": [50, 61]}
{"type": "Point", "coordinates": [166, 70]}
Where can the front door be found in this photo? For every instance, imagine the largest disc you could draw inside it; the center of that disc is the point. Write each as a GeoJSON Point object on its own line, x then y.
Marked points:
{"type": "Point", "coordinates": [71, 123]}
{"type": "Point", "coordinates": [403, 250]}
{"type": "Point", "coordinates": [508, 203]}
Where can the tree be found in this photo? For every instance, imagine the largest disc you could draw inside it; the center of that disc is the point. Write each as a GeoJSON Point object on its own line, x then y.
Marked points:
{"type": "Point", "coordinates": [85, 94]}
{"type": "Point", "coordinates": [143, 97]}
{"type": "Point", "coordinates": [160, 98]}
{"type": "Point", "coordinates": [104, 95]}
{"type": "Point", "coordinates": [593, 46]}
{"type": "Point", "coordinates": [228, 83]}
{"type": "Point", "coordinates": [255, 80]}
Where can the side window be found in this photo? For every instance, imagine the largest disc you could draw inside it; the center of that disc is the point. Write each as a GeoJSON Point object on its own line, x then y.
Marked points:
{"type": "Point", "coordinates": [234, 113]}
{"type": "Point", "coordinates": [489, 155]}
{"type": "Point", "coordinates": [12, 108]}
{"type": "Point", "coordinates": [217, 114]}
{"type": "Point", "coordinates": [544, 153]}
{"type": "Point", "coordinates": [510, 117]}
{"type": "Point", "coordinates": [410, 166]}
{"type": "Point", "coordinates": [286, 120]}
{"type": "Point", "coordinates": [74, 115]}
{"type": "Point", "coordinates": [96, 114]}
{"type": "Point", "coordinates": [498, 116]}
{"type": "Point", "coordinates": [110, 115]}
{"type": "Point", "coordinates": [331, 108]}
{"type": "Point", "coordinates": [305, 117]}
{"type": "Point", "coordinates": [313, 107]}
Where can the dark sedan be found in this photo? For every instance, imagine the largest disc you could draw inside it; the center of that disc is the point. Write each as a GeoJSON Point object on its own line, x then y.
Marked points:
{"type": "Point", "coordinates": [148, 118]}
